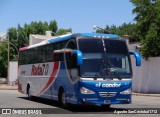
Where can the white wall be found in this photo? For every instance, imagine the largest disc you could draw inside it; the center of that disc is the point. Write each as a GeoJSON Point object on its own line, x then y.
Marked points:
{"type": "Point", "coordinates": [35, 38]}
{"type": "Point", "coordinates": [13, 71]}
{"type": "Point", "coordinates": [146, 79]}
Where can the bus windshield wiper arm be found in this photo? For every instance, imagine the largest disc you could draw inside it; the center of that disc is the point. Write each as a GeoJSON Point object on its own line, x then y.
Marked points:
{"type": "Point", "coordinates": [117, 72]}
{"type": "Point", "coordinates": [103, 70]}
{"type": "Point", "coordinates": [117, 75]}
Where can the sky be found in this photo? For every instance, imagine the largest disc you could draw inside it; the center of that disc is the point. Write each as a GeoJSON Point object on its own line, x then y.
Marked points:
{"type": "Point", "coordinates": [79, 15]}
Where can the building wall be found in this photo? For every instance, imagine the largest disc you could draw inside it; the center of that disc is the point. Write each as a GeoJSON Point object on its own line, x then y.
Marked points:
{"type": "Point", "coordinates": [146, 78]}
{"type": "Point", "coordinates": [13, 71]}
{"type": "Point", "coordinates": [35, 38]}
{"type": "Point", "coordinates": [3, 36]}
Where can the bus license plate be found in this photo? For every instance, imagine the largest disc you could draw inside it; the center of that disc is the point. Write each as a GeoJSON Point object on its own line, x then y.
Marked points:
{"type": "Point", "coordinates": [106, 102]}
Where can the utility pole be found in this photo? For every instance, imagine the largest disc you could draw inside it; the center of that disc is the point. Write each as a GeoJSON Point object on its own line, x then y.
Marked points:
{"type": "Point", "coordinates": [127, 39]}
{"type": "Point", "coordinates": [8, 58]}
{"type": "Point", "coordinates": [104, 30]}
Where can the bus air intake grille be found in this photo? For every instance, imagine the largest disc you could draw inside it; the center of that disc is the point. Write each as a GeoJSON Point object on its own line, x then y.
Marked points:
{"type": "Point", "coordinates": [107, 94]}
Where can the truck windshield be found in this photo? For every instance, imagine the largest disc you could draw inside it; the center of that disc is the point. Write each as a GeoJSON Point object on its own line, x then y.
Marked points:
{"type": "Point", "coordinates": [104, 58]}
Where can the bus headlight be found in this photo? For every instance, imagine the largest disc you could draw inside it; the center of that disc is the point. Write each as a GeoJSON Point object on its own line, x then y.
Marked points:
{"type": "Point", "coordinates": [128, 91]}
{"type": "Point", "coordinates": [84, 90]}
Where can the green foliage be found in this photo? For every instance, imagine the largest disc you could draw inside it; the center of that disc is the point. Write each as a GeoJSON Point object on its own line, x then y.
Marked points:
{"type": "Point", "coordinates": [63, 31]}
{"type": "Point", "coordinates": [53, 26]}
{"type": "Point", "coordinates": [146, 29]}
{"type": "Point", "coordinates": [148, 17]}
{"type": "Point", "coordinates": [3, 59]}
{"type": "Point", "coordinates": [21, 34]}
{"type": "Point", "coordinates": [124, 29]}
{"type": "Point", "coordinates": [20, 37]}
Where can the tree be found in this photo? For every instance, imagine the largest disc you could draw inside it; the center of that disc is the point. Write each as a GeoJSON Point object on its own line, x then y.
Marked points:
{"type": "Point", "coordinates": [53, 26]}
{"type": "Point", "coordinates": [3, 60]}
{"type": "Point", "coordinates": [124, 29]}
{"type": "Point", "coordinates": [63, 31]}
{"type": "Point", "coordinates": [20, 37]}
{"type": "Point", "coordinates": [148, 17]}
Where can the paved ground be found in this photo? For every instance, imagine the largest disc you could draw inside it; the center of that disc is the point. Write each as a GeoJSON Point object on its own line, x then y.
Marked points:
{"type": "Point", "coordinates": [8, 87]}
{"type": "Point", "coordinates": [14, 99]}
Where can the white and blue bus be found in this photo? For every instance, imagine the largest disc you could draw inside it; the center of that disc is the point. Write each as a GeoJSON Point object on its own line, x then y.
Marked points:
{"type": "Point", "coordinates": [80, 68]}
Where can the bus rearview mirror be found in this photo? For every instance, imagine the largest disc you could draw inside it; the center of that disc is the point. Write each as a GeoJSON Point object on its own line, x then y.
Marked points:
{"type": "Point", "coordinates": [78, 57]}
{"type": "Point", "coordinates": [137, 57]}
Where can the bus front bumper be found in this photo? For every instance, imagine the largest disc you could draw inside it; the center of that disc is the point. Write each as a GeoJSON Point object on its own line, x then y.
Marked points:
{"type": "Point", "coordinates": [104, 100]}
{"type": "Point", "coordinates": [100, 93]}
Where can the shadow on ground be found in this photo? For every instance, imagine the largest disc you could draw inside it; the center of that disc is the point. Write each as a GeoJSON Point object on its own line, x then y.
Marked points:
{"type": "Point", "coordinates": [75, 109]}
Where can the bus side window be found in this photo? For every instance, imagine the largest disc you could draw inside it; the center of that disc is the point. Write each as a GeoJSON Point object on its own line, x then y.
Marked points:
{"type": "Point", "coordinates": [74, 60]}
{"type": "Point", "coordinates": [21, 58]}
{"type": "Point", "coordinates": [72, 45]}
{"type": "Point", "coordinates": [71, 61]}
{"type": "Point", "coordinates": [57, 57]}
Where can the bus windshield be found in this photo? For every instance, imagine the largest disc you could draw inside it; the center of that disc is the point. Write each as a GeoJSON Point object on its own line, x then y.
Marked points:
{"type": "Point", "coordinates": [104, 58]}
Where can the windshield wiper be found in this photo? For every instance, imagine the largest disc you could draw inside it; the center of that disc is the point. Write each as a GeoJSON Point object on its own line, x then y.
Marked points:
{"type": "Point", "coordinates": [106, 70]}
{"type": "Point", "coordinates": [103, 70]}
{"type": "Point", "coordinates": [105, 66]}
{"type": "Point", "coordinates": [117, 75]}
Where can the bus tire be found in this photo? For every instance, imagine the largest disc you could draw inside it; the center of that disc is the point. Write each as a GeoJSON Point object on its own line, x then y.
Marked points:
{"type": "Point", "coordinates": [106, 106]}
{"type": "Point", "coordinates": [29, 96]}
{"type": "Point", "coordinates": [61, 98]}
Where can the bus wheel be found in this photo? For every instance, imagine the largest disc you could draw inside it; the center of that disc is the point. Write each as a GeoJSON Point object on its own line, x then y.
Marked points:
{"type": "Point", "coordinates": [29, 93]}
{"type": "Point", "coordinates": [61, 99]}
{"type": "Point", "coordinates": [106, 106]}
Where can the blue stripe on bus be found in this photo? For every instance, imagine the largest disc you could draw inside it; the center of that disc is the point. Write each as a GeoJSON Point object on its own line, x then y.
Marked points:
{"type": "Point", "coordinates": [58, 39]}
{"type": "Point", "coordinates": [98, 34]}
{"type": "Point", "coordinates": [67, 37]}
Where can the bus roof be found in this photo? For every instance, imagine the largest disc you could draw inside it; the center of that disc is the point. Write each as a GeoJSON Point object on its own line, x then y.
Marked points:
{"type": "Point", "coordinates": [67, 37]}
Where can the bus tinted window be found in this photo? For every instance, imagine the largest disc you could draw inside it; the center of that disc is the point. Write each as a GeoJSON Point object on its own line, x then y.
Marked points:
{"type": "Point", "coordinates": [114, 46]}
{"type": "Point", "coordinates": [60, 56]}
{"type": "Point", "coordinates": [40, 54]}
{"type": "Point", "coordinates": [48, 53]}
{"type": "Point", "coordinates": [91, 45]}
